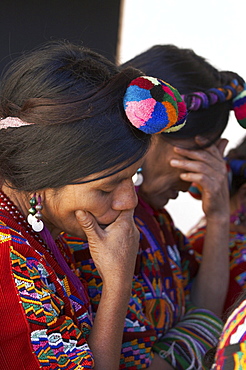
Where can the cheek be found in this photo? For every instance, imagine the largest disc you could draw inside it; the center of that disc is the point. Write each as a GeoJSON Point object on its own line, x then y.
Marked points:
{"type": "Point", "coordinates": [99, 204]}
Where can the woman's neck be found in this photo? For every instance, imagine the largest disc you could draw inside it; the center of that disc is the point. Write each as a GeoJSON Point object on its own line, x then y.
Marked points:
{"type": "Point", "coordinates": [20, 199]}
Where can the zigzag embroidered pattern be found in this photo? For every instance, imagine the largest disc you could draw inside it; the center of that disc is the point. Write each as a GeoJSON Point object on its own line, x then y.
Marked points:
{"type": "Point", "coordinates": [58, 321]}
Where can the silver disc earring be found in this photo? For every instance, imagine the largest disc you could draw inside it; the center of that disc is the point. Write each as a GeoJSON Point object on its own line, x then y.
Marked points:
{"type": "Point", "coordinates": [137, 179]}
{"type": "Point", "coordinates": [35, 215]}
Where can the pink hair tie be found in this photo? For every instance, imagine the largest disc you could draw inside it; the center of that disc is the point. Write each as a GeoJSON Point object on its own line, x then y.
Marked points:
{"type": "Point", "coordinates": [153, 106]}
{"type": "Point", "coordinates": [12, 122]}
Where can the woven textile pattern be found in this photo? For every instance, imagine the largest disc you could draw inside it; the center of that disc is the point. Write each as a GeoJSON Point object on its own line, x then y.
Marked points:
{"type": "Point", "coordinates": [231, 352]}
{"type": "Point", "coordinates": [47, 324]}
{"type": "Point", "coordinates": [237, 245]}
{"type": "Point", "coordinates": [164, 269]}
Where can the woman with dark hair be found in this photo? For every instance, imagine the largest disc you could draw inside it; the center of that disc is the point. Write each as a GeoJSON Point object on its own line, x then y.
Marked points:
{"type": "Point", "coordinates": [163, 329]}
{"type": "Point", "coordinates": [67, 157]}
{"type": "Point", "coordinates": [236, 164]}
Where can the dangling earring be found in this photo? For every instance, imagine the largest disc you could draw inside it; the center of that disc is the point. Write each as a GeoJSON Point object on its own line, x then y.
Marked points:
{"type": "Point", "coordinates": [239, 216]}
{"type": "Point", "coordinates": [137, 179]}
{"type": "Point", "coordinates": [35, 215]}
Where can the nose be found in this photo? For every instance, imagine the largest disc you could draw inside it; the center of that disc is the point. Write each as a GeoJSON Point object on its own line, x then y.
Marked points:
{"type": "Point", "coordinates": [184, 186]}
{"type": "Point", "coordinates": [125, 198]}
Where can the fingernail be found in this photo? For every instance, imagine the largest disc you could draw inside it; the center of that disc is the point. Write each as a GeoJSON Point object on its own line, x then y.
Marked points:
{"type": "Point", "coordinates": [174, 162]}
{"type": "Point", "coordinates": [80, 214]}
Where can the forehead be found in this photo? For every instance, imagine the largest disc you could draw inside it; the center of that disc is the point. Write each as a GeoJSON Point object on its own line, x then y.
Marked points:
{"type": "Point", "coordinates": [113, 176]}
{"type": "Point", "coordinates": [190, 143]}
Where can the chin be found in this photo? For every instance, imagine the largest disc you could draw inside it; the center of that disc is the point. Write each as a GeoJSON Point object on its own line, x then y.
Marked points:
{"type": "Point", "coordinates": [159, 205]}
{"type": "Point", "coordinates": [165, 203]}
{"type": "Point", "coordinates": [78, 234]}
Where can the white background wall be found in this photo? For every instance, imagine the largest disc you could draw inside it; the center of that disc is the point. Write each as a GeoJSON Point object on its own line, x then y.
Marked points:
{"type": "Point", "coordinates": [214, 29]}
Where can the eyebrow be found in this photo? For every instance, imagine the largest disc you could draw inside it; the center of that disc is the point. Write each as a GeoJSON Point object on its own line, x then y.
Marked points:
{"type": "Point", "coordinates": [115, 181]}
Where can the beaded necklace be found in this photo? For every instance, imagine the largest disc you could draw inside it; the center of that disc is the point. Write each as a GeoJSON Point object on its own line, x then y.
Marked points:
{"type": "Point", "coordinates": [50, 246]}
{"type": "Point", "coordinates": [7, 205]}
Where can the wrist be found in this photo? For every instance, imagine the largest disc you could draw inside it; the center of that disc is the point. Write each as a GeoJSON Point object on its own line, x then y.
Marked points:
{"type": "Point", "coordinates": [117, 285]}
{"type": "Point", "coordinates": [221, 219]}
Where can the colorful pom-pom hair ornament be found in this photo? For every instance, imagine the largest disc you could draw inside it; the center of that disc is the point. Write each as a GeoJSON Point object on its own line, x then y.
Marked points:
{"type": "Point", "coordinates": [154, 106]}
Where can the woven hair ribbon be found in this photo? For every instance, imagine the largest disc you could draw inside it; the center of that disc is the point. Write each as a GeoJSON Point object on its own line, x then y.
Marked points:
{"type": "Point", "coordinates": [202, 100]}
{"type": "Point", "coordinates": [234, 91]}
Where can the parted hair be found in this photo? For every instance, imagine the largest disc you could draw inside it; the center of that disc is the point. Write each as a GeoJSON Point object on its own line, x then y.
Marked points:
{"type": "Point", "coordinates": [73, 96]}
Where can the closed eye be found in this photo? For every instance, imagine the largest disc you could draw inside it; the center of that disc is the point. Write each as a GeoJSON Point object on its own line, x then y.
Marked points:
{"type": "Point", "coordinates": [104, 192]}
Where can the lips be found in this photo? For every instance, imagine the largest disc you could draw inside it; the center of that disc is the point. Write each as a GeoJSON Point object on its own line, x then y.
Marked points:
{"type": "Point", "coordinates": [103, 226]}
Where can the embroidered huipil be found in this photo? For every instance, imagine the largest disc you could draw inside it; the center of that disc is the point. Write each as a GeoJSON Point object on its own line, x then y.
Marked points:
{"type": "Point", "coordinates": [44, 324]}
{"type": "Point", "coordinates": [231, 351]}
{"type": "Point", "coordinates": [158, 317]}
{"type": "Point", "coordinates": [237, 254]}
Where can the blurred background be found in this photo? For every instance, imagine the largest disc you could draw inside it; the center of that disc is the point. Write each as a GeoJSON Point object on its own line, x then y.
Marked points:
{"type": "Point", "coordinates": [24, 24]}
{"type": "Point", "coordinates": [121, 29]}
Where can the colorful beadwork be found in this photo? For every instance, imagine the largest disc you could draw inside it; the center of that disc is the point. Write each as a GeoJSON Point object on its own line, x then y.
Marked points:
{"type": "Point", "coordinates": [154, 106]}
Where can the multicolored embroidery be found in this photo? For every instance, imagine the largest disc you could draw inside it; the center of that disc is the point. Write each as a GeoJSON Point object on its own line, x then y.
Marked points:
{"type": "Point", "coordinates": [231, 352]}
{"type": "Point", "coordinates": [62, 343]}
{"type": "Point", "coordinates": [164, 268]}
{"type": "Point", "coordinates": [52, 320]}
{"type": "Point", "coordinates": [237, 245]}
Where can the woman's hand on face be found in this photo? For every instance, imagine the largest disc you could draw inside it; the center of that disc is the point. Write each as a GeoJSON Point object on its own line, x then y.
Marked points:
{"type": "Point", "coordinates": [207, 168]}
{"type": "Point", "coordinates": [113, 249]}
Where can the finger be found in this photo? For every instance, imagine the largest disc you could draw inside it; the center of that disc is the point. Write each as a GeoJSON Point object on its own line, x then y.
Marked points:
{"type": "Point", "coordinates": [199, 166]}
{"type": "Point", "coordinates": [201, 173]}
{"type": "Point", "coordinates": [201, 179]}
{"type": "Point", "coordinates": [124, 220]}
{"type": "Point", "coordinates": [126, 215]}
{"type": "Point", "coordinates": [125, 226]}
{"type": "Point", "coordinates": [220, 145]}
{"type": "Point", "coordinates": [209, 155]}
{"type": "Point", "coordinates": [210, 181]}
{"type": "Point", "coordinates": [88, 224]}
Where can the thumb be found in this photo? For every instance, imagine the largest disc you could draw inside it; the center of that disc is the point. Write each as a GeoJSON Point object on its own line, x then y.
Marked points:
{"type": "Point", "coordinates": [222, 145]}
{"type": "Point", "coordinates": [125, 216]}
{"type": "Point", "coordinates": [88, 224]}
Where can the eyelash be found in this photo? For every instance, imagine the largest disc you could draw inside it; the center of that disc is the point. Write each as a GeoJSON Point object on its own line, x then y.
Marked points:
{"type": "Point", "coordinates": [103, 192]}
